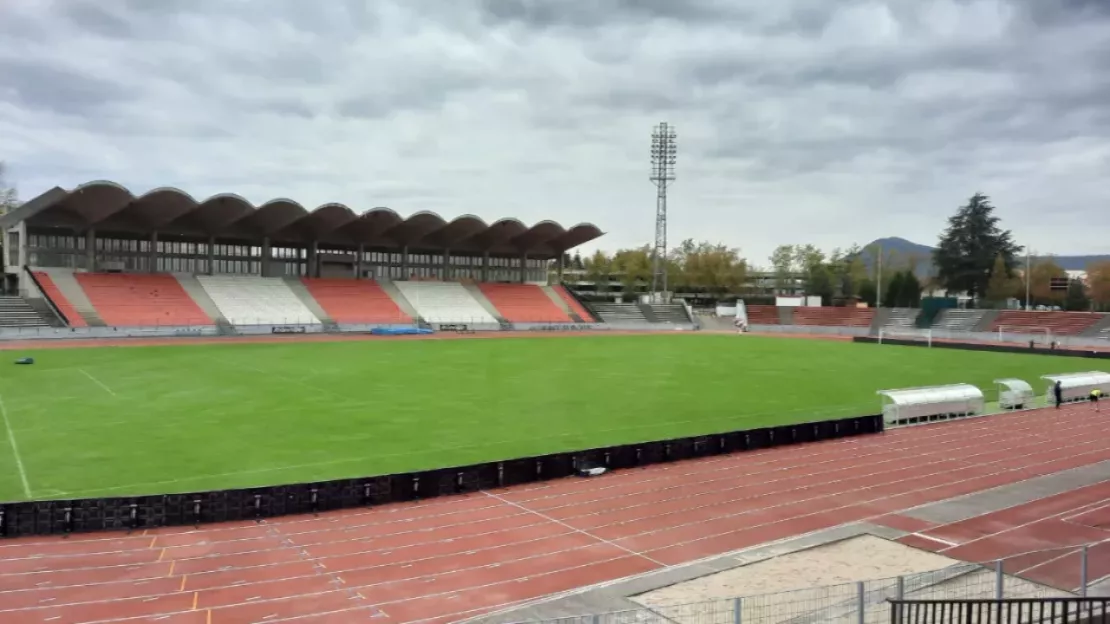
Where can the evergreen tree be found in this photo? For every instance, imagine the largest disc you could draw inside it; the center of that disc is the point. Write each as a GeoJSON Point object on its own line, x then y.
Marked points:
{"type": "Point", "coordinates": [1076, 299]}
{"type": "Point", "coordinates": [909, 294]}
{"type": "Point", "coordinates": [969, 246]}
{"type": "Point", "coordinates": [1000, 286]}
{"type": "Point", "coordinates": [892, 291]}
{"type": "Point", "coordinates": [868, 292]}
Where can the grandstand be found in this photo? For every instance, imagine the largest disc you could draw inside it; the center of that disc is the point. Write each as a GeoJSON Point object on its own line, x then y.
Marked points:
{"type": "Point", "coordinates": [1057, 323]}
{"type": "Point", "coordinates": [92, 258]}
{"type": "Point", "coordinates": [834, 317]}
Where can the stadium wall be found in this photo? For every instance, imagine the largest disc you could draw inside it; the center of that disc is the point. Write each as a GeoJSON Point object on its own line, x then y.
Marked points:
{"type": "Point", "coordinates": [144, 512]}
{"type": "Point", "coordinates": [1014, 339]}
{"type": "Point", "coordinates": [998, 348]}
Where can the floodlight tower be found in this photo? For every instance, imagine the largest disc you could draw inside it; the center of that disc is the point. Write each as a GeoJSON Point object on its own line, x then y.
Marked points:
{"type": "Point", "coordinates": [663, 158]}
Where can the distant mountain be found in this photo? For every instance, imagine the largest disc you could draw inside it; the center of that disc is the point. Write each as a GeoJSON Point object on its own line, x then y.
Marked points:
{"type": "Point", "coordinates": [902, 248]}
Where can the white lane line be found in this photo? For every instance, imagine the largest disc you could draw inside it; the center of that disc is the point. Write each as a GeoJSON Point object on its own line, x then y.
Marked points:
{"type": "Point", "coordinates": [97, 381]}
{"type": "Point", "coordinates": [15, 450]}
{"type": "Point", "coordinates": [575, 529]}
{"type": "Point", "coordinates": [938, 540]}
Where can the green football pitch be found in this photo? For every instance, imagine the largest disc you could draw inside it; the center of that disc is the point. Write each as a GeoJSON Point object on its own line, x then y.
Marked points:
{"type": "Point", "coordinates": [118, 421]}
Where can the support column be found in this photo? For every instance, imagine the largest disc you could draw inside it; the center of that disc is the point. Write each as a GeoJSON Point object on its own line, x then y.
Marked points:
{"type": "Point", "coordinates": [358, 260]}
{"type": "Point", "coordinates": [266, 260]}
{"type": "Point", "coordinates": [405, 263]}
{"type": "Point", "coordinates": [152, 255]}
{"type": "Point", "coordinates": [313, 264]}
{"type": "Point", "coordinates": [211, 255]}
{"type": "Point", "coordinates": [560, 267]}
{"type": "Point", "coordinates": [447, 265]}
{"type": "Point", "coordinates": [485, 266]}
{"type": "Point", "coordinates": [90, 249]}
{"type": "Point", "coordinates": [523, 267]}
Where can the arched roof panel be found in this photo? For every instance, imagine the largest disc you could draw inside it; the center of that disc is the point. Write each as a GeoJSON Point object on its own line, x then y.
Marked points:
{"type": "Point", "coordinates": [231, 215]}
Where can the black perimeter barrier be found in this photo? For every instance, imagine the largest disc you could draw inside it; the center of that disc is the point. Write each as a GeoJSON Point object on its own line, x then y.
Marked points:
{"type": "Point", "coordinates": [144, 512]}
{"type": "Point", "coordinates": [1007, 611]}
{"type": "Point", "coordinates": [998, 348]}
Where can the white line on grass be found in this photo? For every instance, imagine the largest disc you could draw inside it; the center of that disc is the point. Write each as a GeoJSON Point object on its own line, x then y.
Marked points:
{"type": "Point", "coordinates": [576, 530]}
{"type": "Point", "coordinates": [15, 450]}
{"type": "Point", "coordinates": [97, 381]}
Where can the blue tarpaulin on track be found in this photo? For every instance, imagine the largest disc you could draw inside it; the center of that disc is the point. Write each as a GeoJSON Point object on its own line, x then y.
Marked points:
{"type": "Point", "coordinates": [400, 331]}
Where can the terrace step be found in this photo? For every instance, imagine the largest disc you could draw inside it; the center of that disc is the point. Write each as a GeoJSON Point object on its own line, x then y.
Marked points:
{"type": "Point", "coordinates": [984, 324]}
{"type": "Point", "coordinates": [484, 301]}
{"type": "Point", "coordinates": [879, 321]}
{"type": "Point", "coordinates": [399, 298]}
{"type": "Point", "coordinates": [786, 315]}
{"type": "Point", "coordinates": [192, 287]}
{"type": "Point", "coordinates": [301, 291]}
{"type": "Point", "coordinates": [1098, 329]}
{"type": "Point", "coordinates": [72, 291]}
{"type": "Point", "coordinates": [554, 296]}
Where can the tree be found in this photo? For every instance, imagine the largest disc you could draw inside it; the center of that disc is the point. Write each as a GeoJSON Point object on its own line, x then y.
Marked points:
{"type": "Point", "coordinates": [710, 266]}
{"type": "Point", "coordinates": [782, 263]}
{"type": "Point", "coordinates": [1075, 300]}
{"type": "Point", "coordinates": [1001, 285]}
{"type": "Point", "coordinates": [892, 290]}
{"type": "Point", "coordinates": [598, 269]}
{"type": "Point", "coordinates": [969, 245]}
{"type": "Point", "coordinates": [634, 267]}
{"type": "Point", "coordinates": [819, 283]}
{"type": "Point", "coordinates": [1040, 278]}
{"type": "Point", "coordinates": [867, 292]}
{"type": "Point", "coordinates": [1098, 284]}
{"type": "Point", "coordinates": [909, 292]}
{"type": "Point", "coordinates": [849, 270]}
{"type": "Point", "coordinates": [9, 199]}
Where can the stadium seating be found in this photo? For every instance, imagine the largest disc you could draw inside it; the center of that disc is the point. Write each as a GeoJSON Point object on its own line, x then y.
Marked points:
{"type": "Point", "coordinates": [523, 303]}
{"type": "Point", "coordinates": [1059, 323]}
{"type": "Point", "coordinates": [901, 318]}
{"type": "Point", "coordinates": [250, 300]}
{"type": "Point", "coordinates": [955, 320]}
{"type": "Point", "coordinates": [444, 302]}
{"type": "Point", "coordinates": [355, 301]}
{"type": "Point", "coordinates": [620, 313]}
{"type": "Point", "coordinates": [834, 317]}
{"type": "Point", "coordinates": [574, 305]}
{"type": "Point", "coordinates": [763, 315]}
{"type": "Point", "coordinates": [136, 299]}
{"type": "Point", "coordinates": [52, 292]}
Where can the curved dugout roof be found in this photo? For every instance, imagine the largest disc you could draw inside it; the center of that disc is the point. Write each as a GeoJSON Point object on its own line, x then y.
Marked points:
{"type": "Point", "coordinates": [109, 206]}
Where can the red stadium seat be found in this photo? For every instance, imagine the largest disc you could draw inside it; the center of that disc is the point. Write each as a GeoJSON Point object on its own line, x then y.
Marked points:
{"type": "Point", "coordinates": [573, 304]}
{"type": "Point", "coordinates": [355, 301]}
{"type": "Point", "coordinates": [140, 299]}
{"type": "Point", "coordinates": [523, 303]}
{"type": "Point", "coordinates": [834, 317]}
{"type": "Point", "coordinates": [1059, 323]}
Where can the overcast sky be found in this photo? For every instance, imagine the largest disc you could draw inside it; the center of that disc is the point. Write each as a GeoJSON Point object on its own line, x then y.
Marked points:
{"type": "Point", "coordinates": [808, 121]}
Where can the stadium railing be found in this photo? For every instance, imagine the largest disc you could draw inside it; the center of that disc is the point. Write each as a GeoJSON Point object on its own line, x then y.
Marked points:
{"type": "Point", "coordinates": [1010, 580]}
{"type": "Point", "coordinates": [149, 511]}
{"type": "Point", "coordinates": [935, 342]}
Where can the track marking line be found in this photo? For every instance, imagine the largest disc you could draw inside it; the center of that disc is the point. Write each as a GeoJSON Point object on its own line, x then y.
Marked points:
{"type": "Point", "coordinates": [1073, 516]}
{"type": "Point", "coordinates": [182, 588]}
{"type": "Point", "coordinates": [152, 540]}
{"type": "Point", "coordinates": [15, 451]}
{"type": "Point", "coordinates": [938, 540]}
{"type": "Point", "coordinates": [208, 617]}
{"type": "Point", "coordinates": [1055, 516]}
{"type": "Point", "coordinates": [196, 596]}
{"type": "Point", "coordinates": [172, 564]}
{"type": "Point", "coordinates": [575, 529]}
{"type": "Point", "coordinates": [97, 382]}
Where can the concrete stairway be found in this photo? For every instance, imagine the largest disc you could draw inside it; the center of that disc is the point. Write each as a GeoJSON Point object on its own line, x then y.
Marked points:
{"type": "Point", "coordinates": [786, 315]}
{"type": "Point", "coordinates": [1099, 329]}
{"type": "Point", "coordinates": [484, 301]}
{"type": "Point", "coordinates": [984, 324]}
{"type": "Point", "coordinates": [299, 289]}
{"type": "Point", "coordinates": [882, 315]}
{"type": "Point", "coordinates": [402, 302]}
{"type": "Point", "coordinates": [557, 300]}
{"type": "Point", "coordinates": [192, 287]}
{"type": "Point", "coordinates": [16, 312]}
{"type": "Point", "coordinates": [71, 290]}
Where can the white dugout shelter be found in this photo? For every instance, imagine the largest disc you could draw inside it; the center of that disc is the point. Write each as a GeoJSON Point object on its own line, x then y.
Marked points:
{"type": "Point", "coordinates": [914, 405]}
{"type": "Point", "coordinates": [1077, 386]}
{"type": "Point", "coordinates": [1014, 393]}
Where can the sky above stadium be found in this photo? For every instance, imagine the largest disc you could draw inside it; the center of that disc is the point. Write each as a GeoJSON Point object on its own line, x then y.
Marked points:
{"type": "Point", "coordinates": [799, 121]}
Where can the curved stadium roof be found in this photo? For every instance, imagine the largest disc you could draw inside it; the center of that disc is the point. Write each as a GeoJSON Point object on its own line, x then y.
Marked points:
{"type": "Point", "coordinates": [108, 206]}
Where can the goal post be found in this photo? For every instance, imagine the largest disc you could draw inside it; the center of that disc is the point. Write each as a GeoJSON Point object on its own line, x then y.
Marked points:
{"type": "Point", "coordinates": [906, 334]}
{"type": "Point", "coordinates": [1011, 333]}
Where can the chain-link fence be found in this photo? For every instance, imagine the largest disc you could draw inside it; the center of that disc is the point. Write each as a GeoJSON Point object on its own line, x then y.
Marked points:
{"type": "Point", "coordinates": [1045, 574]}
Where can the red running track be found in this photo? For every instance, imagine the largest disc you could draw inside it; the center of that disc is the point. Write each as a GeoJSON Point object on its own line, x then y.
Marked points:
{"type": "Point", "coordinates": [449, 559]}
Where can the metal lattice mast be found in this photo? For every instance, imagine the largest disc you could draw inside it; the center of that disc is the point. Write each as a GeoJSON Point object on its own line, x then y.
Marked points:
{"type": "Point", "coordinates": [663, 157]}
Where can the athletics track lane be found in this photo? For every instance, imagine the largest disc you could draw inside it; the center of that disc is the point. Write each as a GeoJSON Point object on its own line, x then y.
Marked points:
{"type": "Point", "coordinates": [452, 558]}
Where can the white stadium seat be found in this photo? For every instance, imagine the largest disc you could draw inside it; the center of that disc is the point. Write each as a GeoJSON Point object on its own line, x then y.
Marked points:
{"type": "Point", "coordinates": [250, 300]}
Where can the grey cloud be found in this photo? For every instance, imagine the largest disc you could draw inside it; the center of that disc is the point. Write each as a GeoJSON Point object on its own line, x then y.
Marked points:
{"type": "Point", "coordinates": [860, 118]}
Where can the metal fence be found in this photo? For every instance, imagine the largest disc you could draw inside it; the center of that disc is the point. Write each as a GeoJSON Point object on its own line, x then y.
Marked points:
{"type": "Point", "coordinates": [1040, 575]}
{"type": "Point", "coordinates": [1016, 611]}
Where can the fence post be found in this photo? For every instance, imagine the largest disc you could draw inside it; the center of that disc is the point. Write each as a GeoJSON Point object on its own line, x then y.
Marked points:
{"type": "Point", "coordinates": [737, 611]}
{"type": "Point", "coordinates": [999, 580]}
{"type": "Point", "coordinates": [1083, 572]}
{"type": "Point", "coordinates": [900, 588]}
{"type": "Point", "coordinates": [860, 597]}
